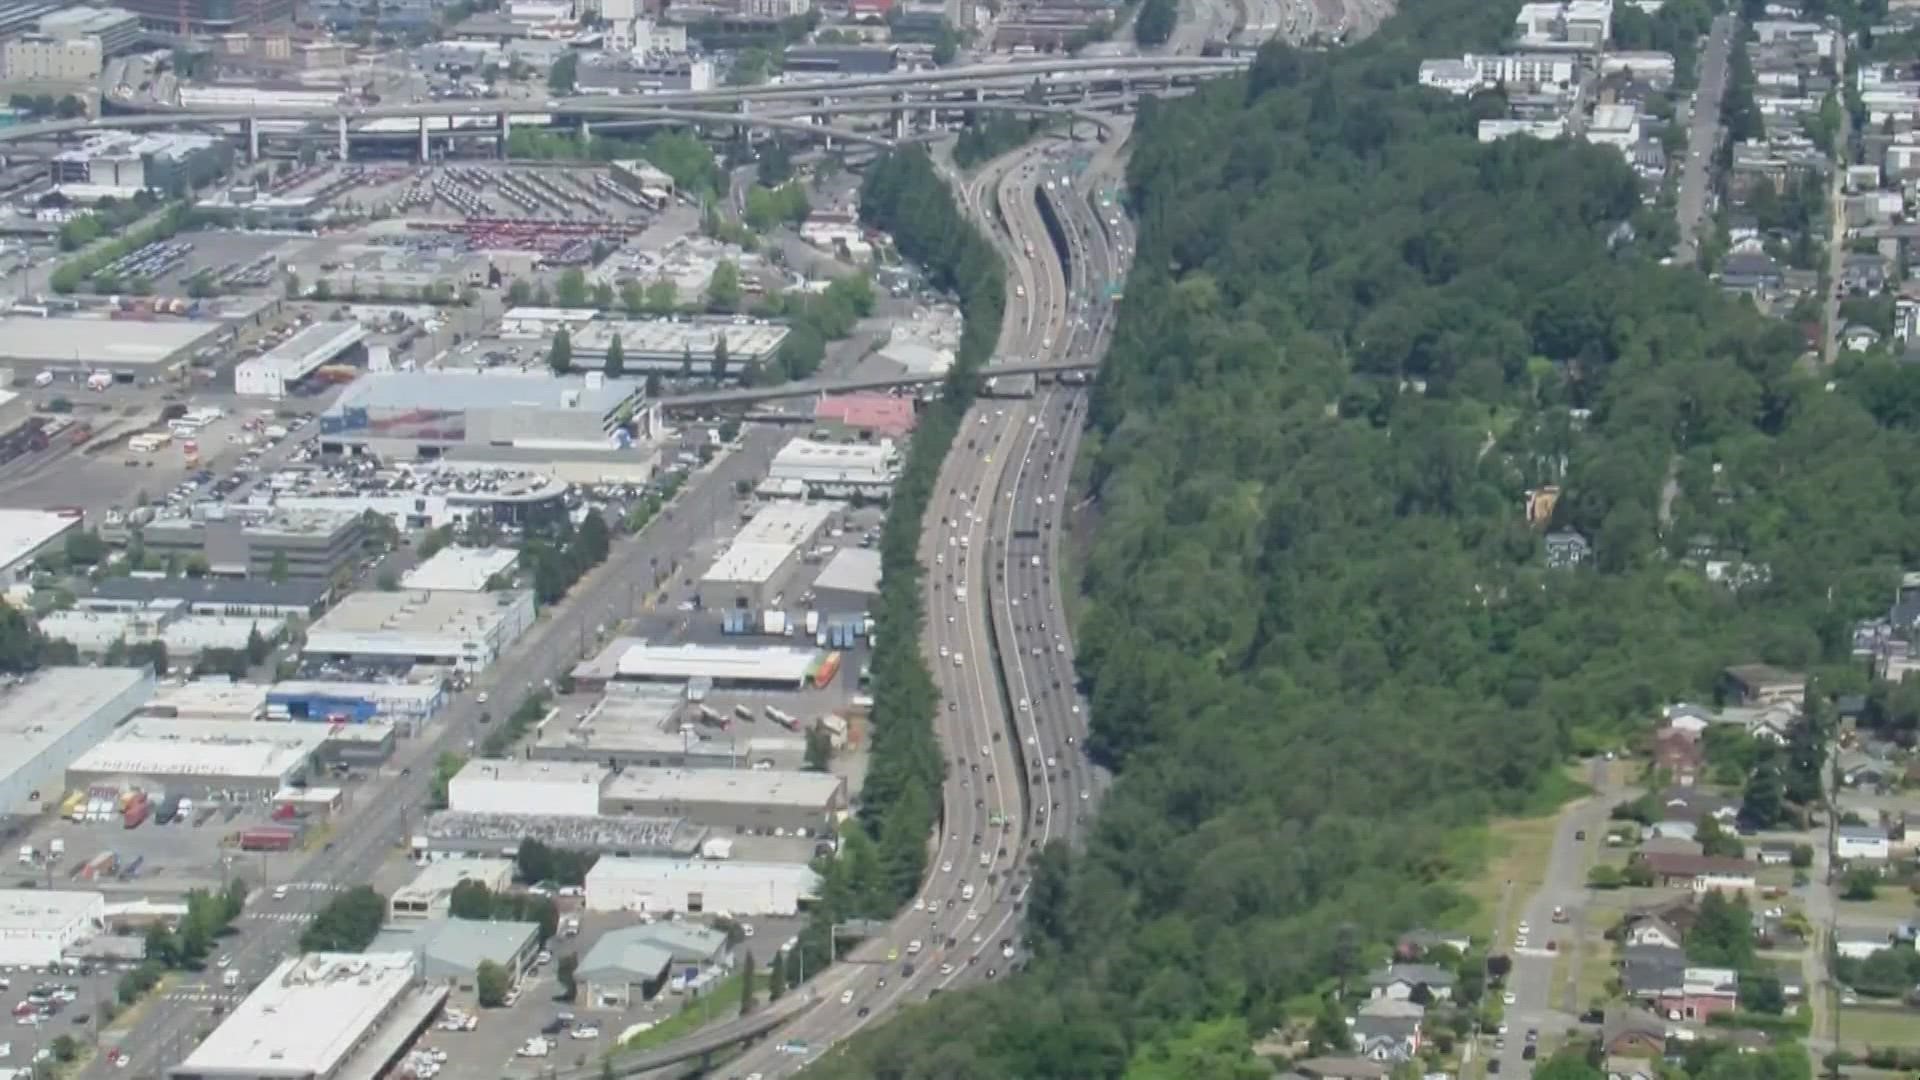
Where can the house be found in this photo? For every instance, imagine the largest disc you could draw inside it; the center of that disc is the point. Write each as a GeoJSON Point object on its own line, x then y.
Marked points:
{"type": "Point", "coordinates": [1763, 684]}
{"type": "Point", "coordinates": [1631, 1068]}
{"type": "Point", "coordinates": [1776, 853]}
{"type": "Point", "coordinates": [633, 963]}
{"type": "Point", "coordinates": [1904, 837]}
{"type": "Point", "coordinates": [1751, 272]}
{"type": "Point", "coordinates": [1701, 873]}
{"type": "Point", "coordinates": [1704, 991]}
{"type": "Point", "coordinates": [1409, 982]}
{"type": "Point", "coordinates": [1386, 1038]}
{"type": "Point", "coordinates": [1656, 932]}
{"type": "Point", "coordinates": [1673, 830]}
{"type": "Point", "coordinates": [1868, 842]}
{"type": "Point", "coordinates": [1860, 942]}
{"type": "Point", "coordinates": [1863, 273]}
{"type": "Point", "coordinates": [1858, 338]}
{"type": "Point", "coordinates": [1670, 845]}
{"type": "Point", "coordinates": [452, 950]}
{"type": "Point", "coordinates": [1679, 755]}
{"type": "Point", "coordinates": [1417, 943]}
{"type": "Point", "coordinates": [1633, 1033]}
{"type": "Point", "coordinates": [1691, 719]}
{"type": "Point", "coordinates": [1566, 549]}
{"type": "Point", "coordinates": [1339, 1068]}
{"type": "Point", "coordinates": [1772, 722]}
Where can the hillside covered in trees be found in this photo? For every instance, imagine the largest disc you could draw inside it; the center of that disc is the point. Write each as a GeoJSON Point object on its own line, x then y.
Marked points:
{"type": "Point", "coordinates": [1320, 637]}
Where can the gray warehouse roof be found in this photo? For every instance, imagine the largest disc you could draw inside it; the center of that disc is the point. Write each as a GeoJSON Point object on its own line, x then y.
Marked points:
{"type": "Point", "coordinates": [852, 570]}
{"type": "Point", "coordinates": [479, 390]}
{"type": "Point", "coordinates": [457, 946]}
{"type": "Point", "coordinates": [759, 787]}
{"type": "Point", "coordinates": [41, 708]}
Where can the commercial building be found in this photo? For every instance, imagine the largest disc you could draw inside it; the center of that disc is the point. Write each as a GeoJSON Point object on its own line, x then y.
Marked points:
{"type": "Point", "coordinates": [209, 18]}
{"type": "Point", "coordinates": [404, 704]}
{"type": "Point", "coordinates": [655, 185]}
{"type": "Point", "coordinates": [666, 347]}
{"type": "Point", "coordinates": [430, 893]}
{"type": "Point", "coordinates": [764, 552]}
{"type": "Point", "coordinates": [742, 800]}
{"type": "Point", "coordinates": [116, 29]}
{"type": "Point", "coordinates": [766, 667]}
{"type": "Point", "coordinates": [462, 493]}
{"type": "Point", "coordinates": [122, 347]}
{"type": "Point", "coordinates": [1573, 23]}
{"type": "Point", "coordinates": [124, 163]}
{"type": "Point", "coordinates": [694, 886]}
{"type": "Point", "coordinates": [51, 717]}
{"type": "Point", "coordinates": [456, 569]}
{"type": "Point", "coordinates": [24, 535]}
{"type": "Point", "coordinates": [838, 470]}
{"type": "Point", "coordinates": [320, 1016]}
{"type": "Point", "coordinates": [271, 374]}
{"type": "Point", "coordinates": [463, 631]}
{"type": "Point", "coordinates": [197, 758]}
{"type": "Point", "coordinates": [209, 699]}
{"type": "Point", "coordinates": [37, 926]}
{"type": "Point", "coordinates": [456, 834]}
{"type": "Point", "coordinates": [850, 579]}
{"type": "Point", "coordinates": [261, 542]}
{"type": "Point", "coordinates": [45, 58]}
{"type": "Point", "coordinates": [515, 786]}
{"type": "Point", "coordinates": [94, 633]}
{"type": "Point", "coordinates": [451, 950]}
{"type": "Point", "coordinates": [634, 963]}
{"type": "Point", "coordinates": [290, 599]}
{"type": "Point", "coordinates": [425, 414]}
{"type": "Point", "coordinates": [641, 724]}
{"type": "Point", "coordinates": [350, 746]}
{"type": "Point", "coordinates": [890, 416]}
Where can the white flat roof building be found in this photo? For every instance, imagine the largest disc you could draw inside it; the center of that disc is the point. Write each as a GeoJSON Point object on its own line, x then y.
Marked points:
{"type": "Point", "coordinates": [519, 786]}
{"type": "Point", "coordinates": [189, 756]}
{"type": "Point", "coordinates": [430, 893]}
{"type": "Point", "coordinates": [94, 632]}
{"type": "Point", "coordinates": [770, 543]}
{"type": "Point", "coordinates": [306, 1019]}
{"type": "Point", "coordinates": [757, 800]}
{"type": "Point", "coordinates": [24, 534]}
{"type": "Point", "coordinates": [771, 666]}
{"type": "Point", "coordinates": [463, 630]}
{"type": "Point", "coordinates": [660, 886]}
{"type": "Point", "coordinates": [38, 925]}
{"type": "Point", "coordinates": [54, 715]}
{"type": "Point", "coordinates": [457, 569]}
{"type": "Point", "coordinates": [294, 359]}
{"type": "Point", "coordinates": [837, 469]}
{"type": "Point", "coordinates": [209, 699]}
{"type": "Point", "coordinates": [82, 344]}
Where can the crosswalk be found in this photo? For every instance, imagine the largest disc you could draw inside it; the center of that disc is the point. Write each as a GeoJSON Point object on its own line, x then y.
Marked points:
{"type": "Point", "coordinates": [277, 916]}
{"type": "Point", "coordinates": [313, 886]}
{"type": "Point", "coordinates": [202, 997]}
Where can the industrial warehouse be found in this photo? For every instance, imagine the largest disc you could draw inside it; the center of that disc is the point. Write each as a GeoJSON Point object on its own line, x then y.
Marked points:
{"type": "Point", "coordinates": [457, 569]}
{"type": "Point", "coordinates": [836, 470]}
{"type": "Point", "coordinates": [648, 724]}
{"type": "Point", "coordinates": [765, 552]}
{"type": "Point", "coordinates": [51, 717]}
{"type": "Point", "coordinates": [766, 667]}
{"type": "Point", "coordinates": [458, 834]}
{"type": "Point", "coordinates": [200, 758]}
{"type": "Point", "coordinates": [695, 886]}
{"type": "Point", "coordinates": [38, 926]}
{"type": "Point", "coordinates": [759, 801]}
{"type": "Point", "coordinates": [405, 415]}
{"type": "Point", "coordinates": [273, 374]}
{"type": "Point", "coordinates": [461, 631]}
{"type": "Point", "coordinates": [512, 786]}
{"type": "Point", "coordinates": [320, 1015]}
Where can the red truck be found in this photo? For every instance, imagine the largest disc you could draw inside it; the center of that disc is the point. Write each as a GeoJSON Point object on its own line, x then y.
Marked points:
{"type": "Point", "coordinates": [267, 838]}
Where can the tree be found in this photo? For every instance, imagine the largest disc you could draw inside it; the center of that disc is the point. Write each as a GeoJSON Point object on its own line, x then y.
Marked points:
{"type": "Point", "coordinates": [1761, 805]}
{"type": "Point", "coordinates": [567, 971]}
{"type": "Point", "coordinates": [470, 900]}
{"type": "Point", "coordinates": [571, 290]}
{"type": "Point", "coordinates": [1722, 933]}
{"type": "Point", "coordinates": [1860, 884]}
{"type": "Point", "coordinates": [277, 571]}
{"type": "Point", "coordinates": [723, 288]}
{"type": "Point", "coordinates": [491, 983]}
{"type": "Point", "coordinates": [1329, 1034]}
{"type": "Point", "coordinates": [819, 753]}
{"type": "Point", "coordinates": [519, 293]}
{"type": "Point", "coordinates": [777, 978]}
{"type": "Point", "coordinates": [1155, 22]}
{"type": "Point", "coordinates": [560, 355]}
{"type": "Point", "coordinates": [633, 299]}
{"type": "Point", "coordinates": [562, 77]}
{"type": "Point", "coordinates": [616, 358]}
{"type": "Point", "coordinates": [347, 923]}
{"type": "Point", "coordinates": [720, 356]}
{"type": "Point", "coordinates": [746, 985]}
{"type": "Point", "coordinates": [686, 361]}
{"type": "Point", "coordinates": [662, 297]}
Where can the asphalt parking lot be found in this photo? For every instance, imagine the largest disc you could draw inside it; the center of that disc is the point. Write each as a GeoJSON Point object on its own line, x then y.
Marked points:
{"type": "Point", "coordinates": [77, 1013]}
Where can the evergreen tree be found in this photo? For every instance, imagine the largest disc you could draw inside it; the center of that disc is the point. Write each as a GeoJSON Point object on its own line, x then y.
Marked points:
{"type": "Point", "coordinates": [616, 358]}
{"type": "Point", "coordinates": [560, 356]}
{"type": "Point", "coordinates": [746, 985]}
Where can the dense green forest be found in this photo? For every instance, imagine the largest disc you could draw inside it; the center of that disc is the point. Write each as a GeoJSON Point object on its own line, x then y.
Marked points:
{"type": "Point", "coordinates": [1321, 639]}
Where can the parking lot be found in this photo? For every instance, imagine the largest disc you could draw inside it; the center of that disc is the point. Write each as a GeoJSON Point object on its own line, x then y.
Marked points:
{"type": "Point", "coordinates": [43, 1005]}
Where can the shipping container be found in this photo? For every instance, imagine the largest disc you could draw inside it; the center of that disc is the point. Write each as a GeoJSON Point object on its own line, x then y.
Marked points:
{"type": "Point", "coordinates": [813, 623]}
{"type": "Point", "coordinates": [74, 805]}
{"type": "Point", "coordinates": [712, 717]}
{"type": "Point", "coordinates": [774, 623]}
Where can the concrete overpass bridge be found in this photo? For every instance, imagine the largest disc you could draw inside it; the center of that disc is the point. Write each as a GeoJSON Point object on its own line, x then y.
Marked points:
{"type": "Point", "coordinates": [756, 394]}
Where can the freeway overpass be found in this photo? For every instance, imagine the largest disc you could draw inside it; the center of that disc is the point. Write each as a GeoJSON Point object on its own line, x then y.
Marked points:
{"type": "Point", "coordinates": [752, 395]}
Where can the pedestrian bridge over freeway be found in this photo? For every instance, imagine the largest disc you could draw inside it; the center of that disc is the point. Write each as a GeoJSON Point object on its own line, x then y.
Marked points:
{"type": "Point", "coordinates": [756, 394]}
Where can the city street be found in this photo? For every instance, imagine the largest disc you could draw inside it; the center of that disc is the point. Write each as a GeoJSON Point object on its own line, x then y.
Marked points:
{"type": "Point", "coordinates": [1703, 139]}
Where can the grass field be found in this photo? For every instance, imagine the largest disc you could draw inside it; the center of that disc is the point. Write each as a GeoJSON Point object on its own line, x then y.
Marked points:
{"type": "Point", "coordinates": [1864, 1027]}
{"type": "Point", "coordinates": [720, 1003]}
{"type": "Point", "coordinates": [1889, 902]}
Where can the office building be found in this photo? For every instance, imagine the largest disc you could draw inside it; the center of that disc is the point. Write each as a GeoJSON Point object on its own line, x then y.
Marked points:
{"type": "Point", "coordinates": [420, 414]}
{"type": "Point", "coordinates": [270, 544]}
{"type": "Point", "coordinates": [516, 786]}
{"type": "Point", "coordinates": [209, 18]}
{"type": "Point", "coordinates": [837, 470]}
{"type": "Point", "coordinates": [761, 556]}
{"type": "Point", "coordinates": [451, 951]}
{"type": "Point", "coordinates": [117, 29]}
{"type": "Point", "coordinates": [125, 163]}
{"type": "Point", "coordinates": [48, 59]}
{"type": "Point", "coordinates": [430, 893]}
{"type": "Point", "coordinates": [274, 373]}
{"type": "Point", "coordinates": [694, 886]}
